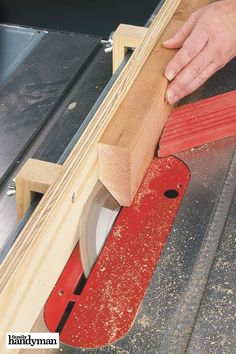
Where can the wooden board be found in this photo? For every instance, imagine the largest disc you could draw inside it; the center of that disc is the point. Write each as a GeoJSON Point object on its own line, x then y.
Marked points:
{"type": "Point", "coordinates": [199, 123]}
{"type": "Point", "coordinates": [130, 141]}
{"type": "Point", "coordinates": [38, 256]}
{"type": "Point", "coordinates": [34, 177]}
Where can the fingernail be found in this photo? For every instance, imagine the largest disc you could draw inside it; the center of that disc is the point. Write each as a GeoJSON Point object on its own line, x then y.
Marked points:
{"type": "Point", "coordinates": [170, 75]}
{"type": "Point", "coordinates": [171, 97]}
{"type": "Point", "coordinates": [166, 42]}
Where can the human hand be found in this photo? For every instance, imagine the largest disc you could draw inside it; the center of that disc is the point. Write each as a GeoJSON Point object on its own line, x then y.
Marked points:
{"type": "Point", "coordinates": [207, 41]}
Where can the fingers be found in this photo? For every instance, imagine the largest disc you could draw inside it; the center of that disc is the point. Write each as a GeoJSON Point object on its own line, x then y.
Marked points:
{"type": "Point", "coordinates": [207, 42]}
{"type": "Point", "coordinates": [191, 48]}
{"type": "Point", "coordinates": [173, 95]}
{"type": "Point", "coordinates": [200, 79]}
{"type": "Point", "coordinates": [190, 73]}
{"type": "Point", "coordinates": [178, 39]}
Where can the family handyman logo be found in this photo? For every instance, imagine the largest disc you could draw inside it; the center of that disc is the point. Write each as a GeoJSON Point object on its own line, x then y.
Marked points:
{"type": "Point", "coordinates": [32, 340]}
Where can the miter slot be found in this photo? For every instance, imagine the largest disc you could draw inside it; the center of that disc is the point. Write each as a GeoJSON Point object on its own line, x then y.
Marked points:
{"type": "Point", "coordinates": [65, 316]}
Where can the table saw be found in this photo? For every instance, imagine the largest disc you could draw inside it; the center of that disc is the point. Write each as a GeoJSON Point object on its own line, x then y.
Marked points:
{"type": "Point", "coordinates": [162, 277]}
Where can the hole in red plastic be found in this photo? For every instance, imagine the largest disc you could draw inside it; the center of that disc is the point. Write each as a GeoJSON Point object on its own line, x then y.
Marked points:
{"type": "Point", "coordinates": [171, 194]}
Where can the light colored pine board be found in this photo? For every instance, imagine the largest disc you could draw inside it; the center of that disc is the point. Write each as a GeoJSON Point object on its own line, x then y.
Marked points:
{"type": "Point", "coordinates": [130, 141]}
{"type": "Point", "coordinates": [125, 37]}
{"type": "Point", "coordinates": [34, 177]}
{"type": "Point", "coordinates": [38, 256]}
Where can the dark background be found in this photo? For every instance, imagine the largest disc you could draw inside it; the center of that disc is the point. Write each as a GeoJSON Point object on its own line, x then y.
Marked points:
{"type": "Point", "coordinates": [85, 16]}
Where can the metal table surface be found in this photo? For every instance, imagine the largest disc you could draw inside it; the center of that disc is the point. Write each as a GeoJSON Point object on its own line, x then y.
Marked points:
{"type": "Point", "coordinates": [169, 321]}
{"type": "Point", "coordinates": [36, 118]}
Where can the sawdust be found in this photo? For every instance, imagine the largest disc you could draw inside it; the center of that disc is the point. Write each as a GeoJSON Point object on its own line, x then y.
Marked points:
{"type": "Point", "coordinates": [144, 321]}
{"type": "Point", "coordinates": [144, 190]}
{"type": "Point", "coordinates": [117, 303]}
{"type": "Point", "coordinates": [199, 148]}
{"type": "Point", "coordinates": [156, 168]}
{"type": "Point", "coordinates": [119, 350]}
{"type": "Point", "coordinates": [118, 231]}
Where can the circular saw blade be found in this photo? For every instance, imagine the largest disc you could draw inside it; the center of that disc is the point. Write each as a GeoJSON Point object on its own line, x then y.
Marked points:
{"type": "Point", "coordinates": [97, 219]}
